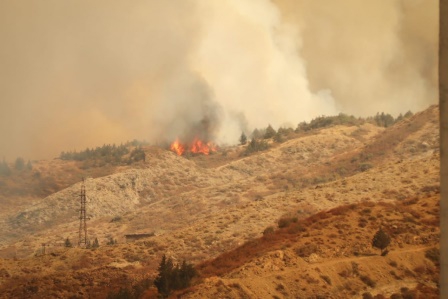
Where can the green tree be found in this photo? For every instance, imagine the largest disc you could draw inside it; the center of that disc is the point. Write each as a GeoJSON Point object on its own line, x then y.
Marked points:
{"type": "Point", "coordinates": [186, 273]}
{"type": "Point", "coordinates": [243, 139]}
{"type": "Point", "coordinates": [29, 166]}
{"type": "Point", "coordinates": [173, 277]}
{"type": "Point", "coordinates": [67, 243]}
{"type": "Point", "coordinates": [278, 137]}
{"type": "Point", "coordinates": [408, 114]}
{"type": "Point", "coordinates": [162, 281]}
{"type": "Point", "coordinates": [381, 240]}
{"type": "Point", "coordinates": [4, 168]}
{"type": "Point", "coordinates": [270, 132]}
{"type": "Point", "coordinates": [256, 134]}
{"type": "Point", "coordinates": [19, 164]}
{"type": "Point", "coordinates": [138, 154]}
{"type": "Point", "coordinates": [95, 244]}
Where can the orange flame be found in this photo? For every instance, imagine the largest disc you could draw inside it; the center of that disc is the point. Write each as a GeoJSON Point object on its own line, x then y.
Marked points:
{"type": "Point", "coordinates": [196, 147]}
{"type": "Point", "coordinates": [177, 147]}
{"type": "Point", "coordinates": [200, 147]}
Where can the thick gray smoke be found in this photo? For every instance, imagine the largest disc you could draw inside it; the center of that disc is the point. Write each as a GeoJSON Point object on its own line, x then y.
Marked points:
{"type": "Point", "coordinates": [81, 73]}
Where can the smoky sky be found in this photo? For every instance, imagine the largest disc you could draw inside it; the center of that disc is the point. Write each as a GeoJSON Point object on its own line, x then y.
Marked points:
{"type": "Point", "coordinates": [76, 74]}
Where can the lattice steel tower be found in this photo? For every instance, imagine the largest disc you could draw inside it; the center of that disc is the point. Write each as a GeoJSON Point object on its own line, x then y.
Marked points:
{"type": "Point", "coordinates": [82, 217]}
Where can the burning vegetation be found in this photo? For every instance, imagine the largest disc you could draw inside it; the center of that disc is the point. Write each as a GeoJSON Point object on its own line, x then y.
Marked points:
{"type": "Point", "coordinates": [197, 146]}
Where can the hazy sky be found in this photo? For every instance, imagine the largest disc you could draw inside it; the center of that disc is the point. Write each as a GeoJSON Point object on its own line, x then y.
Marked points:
{"type": "Point", "coordinates": [78, 73]}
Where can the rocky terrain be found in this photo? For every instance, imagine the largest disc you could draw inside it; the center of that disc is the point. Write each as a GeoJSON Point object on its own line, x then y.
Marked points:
{"type": "Point", "coordinates": [201, 207]}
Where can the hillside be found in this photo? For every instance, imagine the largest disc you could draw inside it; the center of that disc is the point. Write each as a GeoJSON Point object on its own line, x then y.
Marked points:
{"type": "Point", "coordinates": [199, 211]}
{"type": "Point", "coordinates": [330, 255]}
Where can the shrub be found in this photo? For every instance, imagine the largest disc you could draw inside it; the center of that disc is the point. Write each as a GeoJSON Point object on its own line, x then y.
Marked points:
{"type": "Point", "coordinates": [368, 281]}
{"type": "Point", "coordinates": [326, 278]}
{"type": "Point", "coordinates": [365, 166]}
{"type": "Point", "coordinates": [367, 295]}
{"type": "Point", "coordinates": [433, 255]}
{"type": "Point", "coordinates": [116, 219]}
{"type": "Point", "coordinates": [286, 221]}
{"type": "Point", "coordinates": [306, 250]}
{"type": "Point", "coordinates": [268, 231]}
{"type": "Point", "coordinates": [67, 243]}
{"type": "Point", "coordinates": [381, 240]}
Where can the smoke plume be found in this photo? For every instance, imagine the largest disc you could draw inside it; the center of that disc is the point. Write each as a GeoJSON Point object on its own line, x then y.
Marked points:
{"type": "Point", "coordinates": [80, 73]}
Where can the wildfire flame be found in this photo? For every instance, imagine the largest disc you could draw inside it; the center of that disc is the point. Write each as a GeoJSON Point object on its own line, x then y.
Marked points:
{"type": "Point", "coordinates": [177, 147]}
{"type": "Point", "coordinates": [197, 146]}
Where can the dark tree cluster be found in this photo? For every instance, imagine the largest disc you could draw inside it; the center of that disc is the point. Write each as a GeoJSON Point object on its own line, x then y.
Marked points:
{"type": "Point", "coordinates": [19, 165]}
{"type": "Point", "coordinates": [380, 119]}
{"type": "Point", "coordinates": [173, 277]}
{"type": "Point", "coordinates": [326, 121]}
{"type": "Point", "coordinates": [109, 153]}
{"type": "Point", "coordinates": [255, 145]}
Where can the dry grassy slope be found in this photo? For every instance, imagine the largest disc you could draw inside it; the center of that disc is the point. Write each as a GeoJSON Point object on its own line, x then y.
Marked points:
{"type": "Point", "coordinates": [215, 209]}
{"type": "Point", "coordinates": [46, 177]}
{"type": "Point", "coordinates": [329, 254]}
{"type": "Point", "coordinates": [198, 213]}
{"type": "Point", "coordinates": [163, 176]}
{"type": "Point", "coordinates": [174, 180]}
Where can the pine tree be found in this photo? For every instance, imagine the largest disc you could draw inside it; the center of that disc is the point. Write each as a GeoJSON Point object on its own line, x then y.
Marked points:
{"type": "Point", "coordinates": [4, 168]}
{"type": "Point", "coordinates": [243, 139]}
{"type": "Point", "coordinates": [29, 166]}
{"type": "Point", "coordinates": [162, 281]}
{"type": "Point", "coordinates": [381, 240]}
{"type": "Point", "coordinates": [172, 277]}
{"type": "Point", "coordinates": [270, 132]}
{"type": "Point", "coordinates": [256, 134]}
{"type": "Point", "coordinates": [19, 164]}
{"type": "Point", "coordinates": [187, 272]}
{"type": "Point", "coordinates": [96, 244]}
